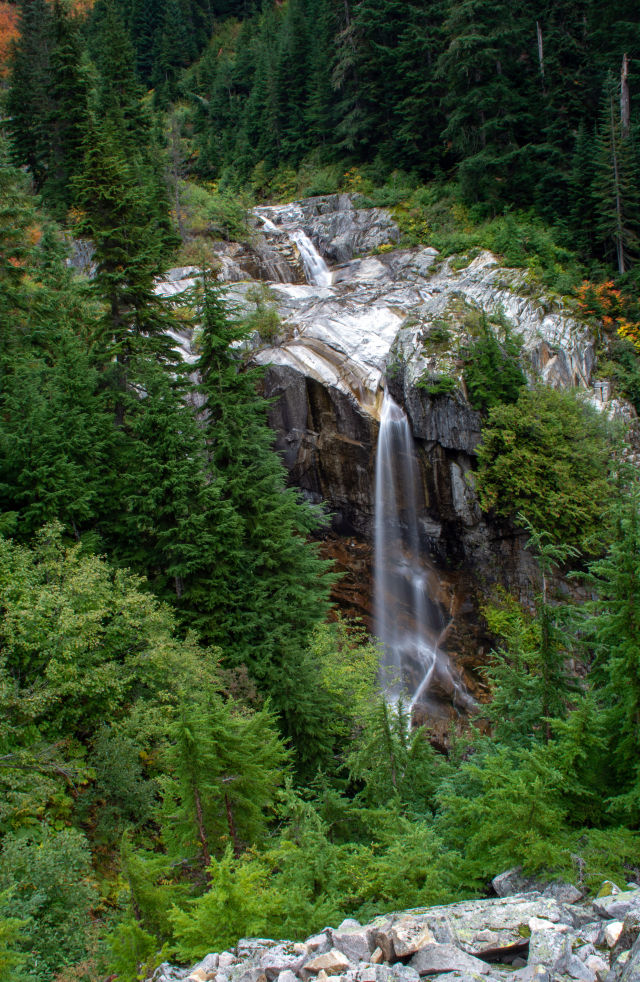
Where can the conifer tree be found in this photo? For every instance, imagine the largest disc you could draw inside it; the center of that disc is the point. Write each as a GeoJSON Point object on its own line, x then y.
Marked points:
{"type": "Point", "coordinates": [616, 188]}
{"type": "Point", "coordinates": [613, 626]}
{"type": "Point", "coordinates": [70, 90]}
{"type": "Point", "coordinates": [224, 767]}
{"type": "Point", "coordinates": [29, 100]}
{"type": "Point", "coordinates": [276, 585]}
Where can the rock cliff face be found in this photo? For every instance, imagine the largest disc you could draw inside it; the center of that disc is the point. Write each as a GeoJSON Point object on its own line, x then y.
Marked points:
{"type": "Point", "coordinates": [395, 319]}
{"type": "Point", "coordinates": [549, 933]}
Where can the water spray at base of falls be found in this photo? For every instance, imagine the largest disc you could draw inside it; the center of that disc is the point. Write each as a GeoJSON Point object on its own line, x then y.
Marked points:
{"type": "Point", "coordinates": [408, 621]}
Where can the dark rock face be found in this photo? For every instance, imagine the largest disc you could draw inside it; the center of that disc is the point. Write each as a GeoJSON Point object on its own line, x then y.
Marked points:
{"type": "Point", "coordinates": [327, 445]}
{"type": "Point", "coordinates": [448, 421]}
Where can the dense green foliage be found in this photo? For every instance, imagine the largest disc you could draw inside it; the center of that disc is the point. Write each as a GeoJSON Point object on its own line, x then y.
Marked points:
{"type": "Point", "coordinates": [544, 456]}
{"type": "Point", "coordinates": [190, 751]}
{"type": "Point", "coordinates": [464, 87]}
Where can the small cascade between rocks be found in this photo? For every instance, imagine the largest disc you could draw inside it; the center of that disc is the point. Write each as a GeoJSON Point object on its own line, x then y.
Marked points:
{"type": "Point", "coordinates": [408, 621]}
{"type": "Point", "coordinates": [315, 268]}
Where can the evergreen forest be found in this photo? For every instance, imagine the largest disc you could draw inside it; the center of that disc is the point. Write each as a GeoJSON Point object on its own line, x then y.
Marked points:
{"type": "Point", "coordinates": [195, 745]}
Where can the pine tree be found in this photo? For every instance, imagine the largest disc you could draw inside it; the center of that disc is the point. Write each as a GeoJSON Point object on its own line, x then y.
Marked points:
{"type": "Point", "coordinates": [616, 188]}
{"type": "Point", "coordinates": [613, 626]}
{"type": "Point", "coordinates": [224, 767]}
{"type": "Point", "coordinates": [487, 75]}
{"type": "Point", "coordinates": [276, 585]}
{"type": "Point", "coordinates": [118, 215]}
{"type": "Point", "coordinates": [172, 52]}
{"type": "Point", "coordinates": [70, 89]}
{"type": "Point", "coordinates": [56, 439]}
{"type": "Point", "coordinates": [29, 100]}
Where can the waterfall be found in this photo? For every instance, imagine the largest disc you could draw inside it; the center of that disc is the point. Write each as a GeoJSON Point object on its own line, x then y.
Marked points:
{"type": "Point", "coordinates": [408, 621]}
{"type": "Point", "coordinates": [316, 270]}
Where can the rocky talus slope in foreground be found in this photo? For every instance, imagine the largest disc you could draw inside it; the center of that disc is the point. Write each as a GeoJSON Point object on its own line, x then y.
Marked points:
{"type": "Point", "coordinates": [546, 934]}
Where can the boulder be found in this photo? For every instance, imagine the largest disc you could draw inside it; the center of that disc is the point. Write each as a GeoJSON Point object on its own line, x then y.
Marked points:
{"type": "Point", "coordinates": [205, 970]}
{"type": "Point", "coordinates": [408, 936]}
{"type": "Point", "coordinates": [352, 940]}
{"type": "Point", "coordinates": [612, 932]}
{"type": "Point", "coordinates": [250, 947]}
{"type": "Point", "coordinates": [226, 959]}
{"type": "Point", "coordinates": [436, 958]}
{"type": "Point", "coordinates": [629, 931]}
{"type": "Point", "coordinates": [386, 973]}
{"type": "Point", "coordinates": [631, 969]}
{"type": "Point", "coordinates": [333, 962]}
{"type": "Point", "coordinates": [549, 945]}
{"type": "Point", "coordinates": [575, 968]}
{"type": "Point", "coordinates": [318, 943]}
{"type": "Point", "coordinates": [280, 958]}
{"type": "Point", "coordinates": [616, 906]}
{"type": "Point", "coordinates": [513, 881]}
{"type": "Point", "coordinates": [169, 973]}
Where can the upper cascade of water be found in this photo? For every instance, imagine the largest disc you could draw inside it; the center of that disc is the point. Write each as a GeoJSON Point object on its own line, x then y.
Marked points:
{"type": "Point", "coordinates": [408, 620]}
{"type": "Point", "coordinates": [315, 268]}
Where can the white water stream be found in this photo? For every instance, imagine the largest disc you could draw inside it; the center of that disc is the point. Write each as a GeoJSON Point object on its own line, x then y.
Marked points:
{"type": "Point", "coordinates": [408, 621]}
{"type": "Point", "coordinates": [315, 268]}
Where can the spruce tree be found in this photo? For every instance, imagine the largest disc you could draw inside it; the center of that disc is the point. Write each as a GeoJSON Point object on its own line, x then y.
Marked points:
{"type": "Point", "coordinates": [29, 101]}
{"type": "Point", "coordinates": [613, 628]}
{"type": "Point", "coordinates": [224, 766]}
{"type": "Point", "coordinates": [616, 188]}
{"type": "Point", "coordinates": [276, 585]}
{"type": "Point", "coordinates": [70, 90]}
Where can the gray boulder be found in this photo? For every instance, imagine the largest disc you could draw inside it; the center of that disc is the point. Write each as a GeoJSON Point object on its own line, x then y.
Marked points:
{"type": "Point", "coordinates": [514, 881]}
{"type": "Point", "coordinates": [616, 906]}
{"type": "Point", "coordinates": [631, 971]}
{"type": "Point", "coordinates": [281, 958]}
{"type": "Point", "coordinates": [437, 958]}
{"type": "Point", "coordinates": [352, 940]}
{"type": "Point", "coordinates": [628, 934]}
{"type": "Point", "coordinates": [169, 973]}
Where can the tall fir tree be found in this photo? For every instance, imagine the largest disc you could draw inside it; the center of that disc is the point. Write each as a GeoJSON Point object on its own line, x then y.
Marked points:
{"type": "Point", "coordinates": [29, 102]}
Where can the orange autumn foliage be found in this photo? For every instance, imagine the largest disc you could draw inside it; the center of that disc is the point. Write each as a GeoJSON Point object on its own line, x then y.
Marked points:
{"type": "Point", "coordinates": [9, 17]}
{"type": "Point", "coordinates": [8, 34]}
{"type": "Point", "coordinates": [604, 301]}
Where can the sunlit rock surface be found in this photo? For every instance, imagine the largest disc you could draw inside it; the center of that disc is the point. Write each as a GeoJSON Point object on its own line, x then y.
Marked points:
{"type": "Point", "coordinates": [524, 937]}
{"type": "Point", "coordinates": [380, 321]}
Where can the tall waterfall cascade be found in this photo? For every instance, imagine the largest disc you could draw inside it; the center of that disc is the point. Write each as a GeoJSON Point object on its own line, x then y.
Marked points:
{"type": "Point", "coordinates": [408, 621]}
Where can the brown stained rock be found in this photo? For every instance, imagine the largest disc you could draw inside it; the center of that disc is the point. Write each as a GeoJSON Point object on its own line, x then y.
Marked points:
{"type": "Point", "coordinates": [332, 962]}
{"type": "Point", "coordinates": [409, 936]}
{"type": "Point", "coordinates": [384, 944]}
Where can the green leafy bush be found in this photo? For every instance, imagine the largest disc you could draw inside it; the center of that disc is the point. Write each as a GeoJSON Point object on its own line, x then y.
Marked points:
{"type": "Point", "coordinates": [546, 456]}
{"type": "Point", "coordinates": [492, 371]}
{"type": "Point", "coordinates": [264, 320]}
{"type": "Point", "coordinates": [50, 873]}
{"type": "Point", "coordinates": [212, 212]}
{"type": "Point", "coordinates": [437, 385]}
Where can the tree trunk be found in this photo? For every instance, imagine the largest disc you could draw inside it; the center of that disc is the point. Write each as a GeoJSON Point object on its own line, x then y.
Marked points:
{"type": "Point", "coordinates": [237, 849]}
{"type": "Point", "coordinates": [540, 53]}
{"type": "Point", "coordinates": [625, 103]}
{"type": "Point", "coordinates": [616, 180]}
{"type": "Point", "coordinates": [202, 834]}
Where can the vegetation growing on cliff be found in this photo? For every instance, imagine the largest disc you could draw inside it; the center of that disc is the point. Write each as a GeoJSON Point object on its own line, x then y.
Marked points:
{"type": "Point", "coordinates": [182, 732]}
